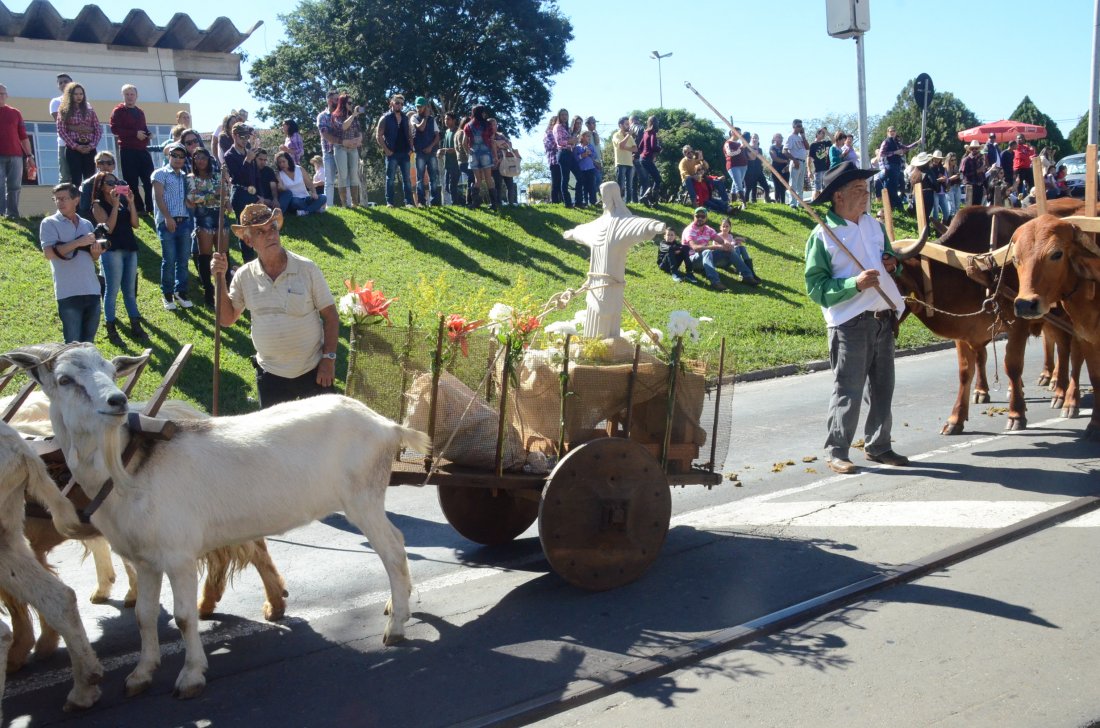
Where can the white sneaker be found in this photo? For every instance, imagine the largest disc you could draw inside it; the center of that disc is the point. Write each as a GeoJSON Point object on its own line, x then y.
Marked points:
{"type": "Point", "coordinates": [169, 304]}
{"type": "Point", "coordinates": [302, 213]}
{"type": "Point", "coordinates": [182, 300]}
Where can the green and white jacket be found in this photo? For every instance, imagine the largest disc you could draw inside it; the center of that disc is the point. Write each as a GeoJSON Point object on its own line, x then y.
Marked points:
{"type": "Point", "coordinates": [831, 273]}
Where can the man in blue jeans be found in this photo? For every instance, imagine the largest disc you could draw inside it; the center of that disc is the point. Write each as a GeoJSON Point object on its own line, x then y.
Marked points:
{"type": "Point", "coordinates": [425, 133]}
{"type": "Point", "coordinates": [174, 225]}
{"type": "Point", "coordinates": [861, 324]}
{"type": "Point", "coordinates": [324, 128]}
{"type": "Point", "coordinates": [70, 246]}
{"type": "Point", "coordinates": [395, 137]}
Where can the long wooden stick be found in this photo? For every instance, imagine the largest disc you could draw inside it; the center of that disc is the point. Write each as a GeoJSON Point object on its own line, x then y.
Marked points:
{"type": "Point", "coordinates": [778, 178]}
{"type": "Point", "coordinates": [219, 286]}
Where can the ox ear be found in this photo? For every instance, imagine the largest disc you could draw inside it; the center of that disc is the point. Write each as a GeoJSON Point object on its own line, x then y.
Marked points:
{"type": "Point", "coordinates": [1086, 241]}
{"type": "Point", "coordinates": [125, 365]}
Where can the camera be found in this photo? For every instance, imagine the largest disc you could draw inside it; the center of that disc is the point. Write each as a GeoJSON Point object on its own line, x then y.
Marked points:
{"type": "Point", "coordinates": [359, 110]}
{"type": "Point", "coordinates": [101, 232]}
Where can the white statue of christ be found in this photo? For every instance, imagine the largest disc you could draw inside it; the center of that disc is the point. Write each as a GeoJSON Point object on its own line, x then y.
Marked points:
{"type": "Point", "coordinates": [609, 237]}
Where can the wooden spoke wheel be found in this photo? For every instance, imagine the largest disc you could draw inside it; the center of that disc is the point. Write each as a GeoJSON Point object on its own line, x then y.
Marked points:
{"type": "Point", "coordinates": [604, 514]}
{"type": "Point", "coordinates": [487, 516]}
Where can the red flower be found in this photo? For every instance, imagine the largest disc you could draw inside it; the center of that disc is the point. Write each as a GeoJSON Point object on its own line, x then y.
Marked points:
{"type": "Point", "coordinates": [527, 324]}
{"type": "Point", "coordinates": [374, 302]}
{"type": "Point", "coordinates": [458, 331]}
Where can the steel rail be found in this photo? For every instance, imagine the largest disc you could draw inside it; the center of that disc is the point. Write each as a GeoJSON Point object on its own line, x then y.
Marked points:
{"type": "Point", "coordinates": [612, 681]}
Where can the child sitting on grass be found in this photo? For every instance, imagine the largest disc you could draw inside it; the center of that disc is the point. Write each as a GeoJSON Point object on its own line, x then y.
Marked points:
{"type": "Point", "coordinates": [671, 254]}
{"type": "Point", "coordinates": [740, 254]}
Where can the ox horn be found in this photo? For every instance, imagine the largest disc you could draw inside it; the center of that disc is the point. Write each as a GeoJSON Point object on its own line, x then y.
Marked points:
{"type": "Point", "coordinates": [911, 248]}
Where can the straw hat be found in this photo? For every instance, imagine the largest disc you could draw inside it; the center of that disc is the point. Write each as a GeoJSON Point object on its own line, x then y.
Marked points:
{"type": "Point", "coordinates": [937, 155]}
{"type": "Point", "coordinates": [257, 215]}
{"type": "Point", "coordinates": [921, 159]}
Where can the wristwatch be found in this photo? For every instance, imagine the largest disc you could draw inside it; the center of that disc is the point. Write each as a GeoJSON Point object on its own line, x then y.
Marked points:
{"type": "Point", "coordinates": [330, 355]}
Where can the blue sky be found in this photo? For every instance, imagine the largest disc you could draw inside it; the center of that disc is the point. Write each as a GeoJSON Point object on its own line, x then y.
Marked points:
{"type": "Point", "coordinates": [763, 63]}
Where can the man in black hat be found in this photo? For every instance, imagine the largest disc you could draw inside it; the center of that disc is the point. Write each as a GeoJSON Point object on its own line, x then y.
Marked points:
{"type": "Point", "coordinates": [860, 323]}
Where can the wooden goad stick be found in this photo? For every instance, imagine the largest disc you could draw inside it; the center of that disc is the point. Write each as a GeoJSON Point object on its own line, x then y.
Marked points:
{"type": "Point", "coordinates": [805, 205]}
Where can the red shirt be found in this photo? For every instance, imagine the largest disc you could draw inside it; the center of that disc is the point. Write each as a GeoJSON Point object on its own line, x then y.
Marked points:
{"type": "Point", "coordinates": [126, 122]}
{"type": "Point", "coordinates": [737, 160]}
{"type": "Point", "coordinates": [1022, 160]}
{"type": "Point", "coordinates": [12, 132]}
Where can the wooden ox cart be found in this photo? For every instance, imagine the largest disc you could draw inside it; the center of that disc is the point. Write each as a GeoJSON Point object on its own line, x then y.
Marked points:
{"type": "Point", "coordinates": [586, 446]}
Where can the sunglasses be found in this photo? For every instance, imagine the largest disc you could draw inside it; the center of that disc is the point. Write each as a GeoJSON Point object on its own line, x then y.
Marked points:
{"type": "Point", "coordinates": [191, 142]}
{"type": "Point", "coordinates": [177, 156]}
{"type": "Point", "coordinates": [105, 164]}
{"type": "Point", "coordinates": [111, 183]}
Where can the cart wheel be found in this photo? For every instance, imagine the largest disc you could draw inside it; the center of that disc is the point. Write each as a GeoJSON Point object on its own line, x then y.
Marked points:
{"type": "Point", "coordinates": [604, 514]}
{"type": "Point", "coordinates": [487, 516]}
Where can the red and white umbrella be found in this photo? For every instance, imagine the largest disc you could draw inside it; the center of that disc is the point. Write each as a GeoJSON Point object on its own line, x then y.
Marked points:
{"type": "Point", "coordinates": [1003, 131]}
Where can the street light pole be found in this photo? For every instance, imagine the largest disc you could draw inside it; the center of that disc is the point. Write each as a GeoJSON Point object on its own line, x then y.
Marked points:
{"type": "Point", "coordinates": [660, 81]}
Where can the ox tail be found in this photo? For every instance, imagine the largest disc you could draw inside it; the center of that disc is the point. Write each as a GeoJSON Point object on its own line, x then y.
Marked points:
{"type": "Point", "coordinates": [42, 490]}
{"type": "Point", "coordinates": [415, 439]}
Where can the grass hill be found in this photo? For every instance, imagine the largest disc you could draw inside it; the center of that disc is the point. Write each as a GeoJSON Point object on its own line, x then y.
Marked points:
{"type": "Point", "coordinates": [463, 259]}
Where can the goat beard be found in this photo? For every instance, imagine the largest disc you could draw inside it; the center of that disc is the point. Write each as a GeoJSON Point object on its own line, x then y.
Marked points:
{"type": "Point", "coordinates": [100, 457]}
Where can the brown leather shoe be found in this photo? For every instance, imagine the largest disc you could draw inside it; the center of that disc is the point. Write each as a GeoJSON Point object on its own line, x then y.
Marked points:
{"type": "Point", "coordinates": [842, 466]}
{"type": "Point", "coordinates": [889, 458]}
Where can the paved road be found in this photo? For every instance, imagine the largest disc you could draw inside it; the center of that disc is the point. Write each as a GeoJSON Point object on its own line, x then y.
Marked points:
{"type": "Point", "coordinates": [492, 627]}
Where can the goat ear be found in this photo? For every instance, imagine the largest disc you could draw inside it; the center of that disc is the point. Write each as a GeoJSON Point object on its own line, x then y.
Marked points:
{"type": "Point", "coordinates": [125, 365]}
{"type": "Point", "coordinates": [24, 359]}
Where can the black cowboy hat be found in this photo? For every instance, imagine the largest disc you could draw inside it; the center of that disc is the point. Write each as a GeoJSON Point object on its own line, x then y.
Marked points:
{"type": "Point", "coordinates": [839, 176]}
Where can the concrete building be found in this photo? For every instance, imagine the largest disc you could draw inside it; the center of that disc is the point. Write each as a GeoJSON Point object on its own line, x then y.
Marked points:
{"type": "Point", "coordinates": [163, 62]}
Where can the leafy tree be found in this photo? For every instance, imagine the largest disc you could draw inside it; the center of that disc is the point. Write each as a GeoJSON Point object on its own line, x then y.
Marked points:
{"type": "Point", "coordinates": [1029, 113]}
{"type": "Point", "coordinates": [947, 116]}
{"type": "Point", "coordinates": [680, 127]}
{"type": "Point", "coordinates": [847, 122]}
{"type": "Point", "coordinates": [1079, 137]}
{"type": "Point", "coordinates": [501, 53]}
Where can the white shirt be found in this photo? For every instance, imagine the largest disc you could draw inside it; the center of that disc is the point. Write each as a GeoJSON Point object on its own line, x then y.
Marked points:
{"type": "Point", "coordinates": [295, 185]}
{"type": "Point", "coordinates": [867, 243]}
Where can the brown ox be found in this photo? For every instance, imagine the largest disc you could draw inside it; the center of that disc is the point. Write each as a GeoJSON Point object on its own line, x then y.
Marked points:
{"type": "Point", "coordinates": [966, 323]}
{"type": "Point", "coordinates": [1060, 264]}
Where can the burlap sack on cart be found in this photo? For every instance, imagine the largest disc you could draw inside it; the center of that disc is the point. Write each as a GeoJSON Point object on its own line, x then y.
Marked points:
{"type": "Point", "coordinates": [597, 394]}
{"type": "Point", "coordinates": [473, 435]}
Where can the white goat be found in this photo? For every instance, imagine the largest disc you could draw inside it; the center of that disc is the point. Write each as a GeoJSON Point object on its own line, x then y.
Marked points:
{"type": "Point", "coordinates": [21, 473]}
{"type": "Point", "coordinates": [33, 418]}
{"type": "Point", "coordinates": [218, 482]}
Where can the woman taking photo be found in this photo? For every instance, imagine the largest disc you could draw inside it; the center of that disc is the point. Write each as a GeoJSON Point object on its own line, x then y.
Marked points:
{"type": "Point", "coordinates": [78, 126]}
{"type": "Point", "coordinates": [203, 201]}
{"type": "Point", "coordinates": [648, 150]}
{"type": "Point", "coordinates": [119, 261]}
{"type": "Point", "coordinates": [345, 124]}
{"type": "Point", "coordinates": [294, 192]}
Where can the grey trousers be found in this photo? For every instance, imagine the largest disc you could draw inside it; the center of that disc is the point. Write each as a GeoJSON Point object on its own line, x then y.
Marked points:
{"type": "Point", "coordinates": [861, 351]}
{"type": "Point", "coordinates": [11, 181]}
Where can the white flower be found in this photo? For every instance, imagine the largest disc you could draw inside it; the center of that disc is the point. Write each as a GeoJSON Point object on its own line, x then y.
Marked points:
{"type": "Point", "coordinates": [349, 305]}
{"type": "Point", "coordinates": [565, 328]}
{"type": "Point", "coordinates": [499, 314]}
{"type": "Point", "coordinates": [682, 322]}
{"type": "Point", "coordinates": [705, 319]}
{"type": "Point", "coordinates": [578, 318]}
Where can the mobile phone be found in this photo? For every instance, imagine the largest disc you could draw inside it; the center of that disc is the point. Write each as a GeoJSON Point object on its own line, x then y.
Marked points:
{"type": "Point", "coordinates": [122, 190]}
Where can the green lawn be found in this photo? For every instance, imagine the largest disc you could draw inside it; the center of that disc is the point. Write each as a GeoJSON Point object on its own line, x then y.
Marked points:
{"type": "Point", "coordinates": [457, 259]}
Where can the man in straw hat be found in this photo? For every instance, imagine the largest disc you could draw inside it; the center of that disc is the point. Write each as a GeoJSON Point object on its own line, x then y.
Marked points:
{"type": "Point", "coordinates": [860, 323]}
{"type": "Point", "coordinates": [295, 327]}
{"type": "Point", "coordinates": [972, 171]}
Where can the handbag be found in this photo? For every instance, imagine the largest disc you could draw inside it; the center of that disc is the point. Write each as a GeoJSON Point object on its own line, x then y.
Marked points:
{"type": "Point", "coordinates": [509, 165]}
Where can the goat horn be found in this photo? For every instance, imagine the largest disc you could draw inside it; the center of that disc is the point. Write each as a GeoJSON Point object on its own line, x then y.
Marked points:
{"type": "Point", "coordinates": [912, 248]}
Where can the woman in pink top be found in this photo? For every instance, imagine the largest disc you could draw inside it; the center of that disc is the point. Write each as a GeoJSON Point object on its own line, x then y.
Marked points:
{"type": "Point", "coordinates": [78, 127]}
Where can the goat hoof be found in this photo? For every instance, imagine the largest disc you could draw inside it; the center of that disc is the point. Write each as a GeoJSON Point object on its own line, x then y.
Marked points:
{"type": "Point", "coordinates": [1057, 402]}
{"type": "Point", "coordinates": [952, 428]}
{"type": "Point", "coordinates": [389, 639]}
{"type": "Point", "coordinates": [129, 602]}
{"type": "Point", "coordinates": [273, 613]}
{"type": "Point", "coordinates": [206, 611]}
{"type": "Point", "coordinates": [190, 688]}
{"type": "Point", "coordinates": [82, 699]}
{"type": "Point", "coordinates": [388, 609]}
{"type": "Point", "coordinates": [98, 598]}
{"type": "Point", "coordinates": [981, 397]}
{"type": "Point", "coordinates": [15, 663]}
{"type": "Point", "coordinates": [1016, 424]}
{"type": "Point", "coordinates": [1070, 412]}
{"type": "Point", "coordinates": [137, 685]}
{"type": "Point", "coordinates": [1043, 380]}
